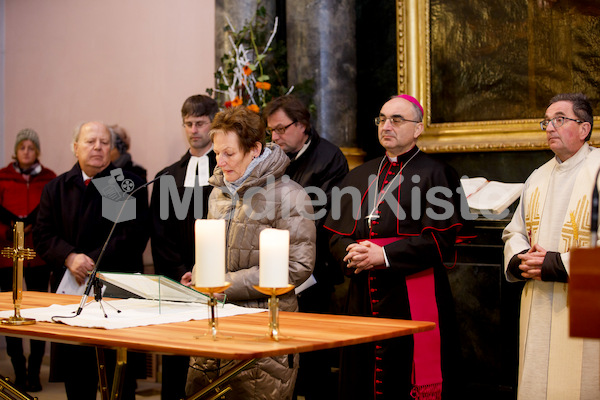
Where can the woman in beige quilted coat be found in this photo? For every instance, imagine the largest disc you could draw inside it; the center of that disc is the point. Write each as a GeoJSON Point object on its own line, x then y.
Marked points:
{"type": "Point", "coordinates": [251, 193]}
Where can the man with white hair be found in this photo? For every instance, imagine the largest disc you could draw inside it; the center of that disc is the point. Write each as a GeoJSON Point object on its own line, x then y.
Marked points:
{"type": "Point", "coordinates": [69, 235]}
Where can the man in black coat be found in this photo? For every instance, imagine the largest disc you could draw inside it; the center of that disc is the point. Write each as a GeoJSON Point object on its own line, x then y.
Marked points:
{"type": "Point", "coordinates": [70, 232]}
{"type": "Point", "coordinates": [178, 199]}
{"type": "Point", "coordinates": [317, 165]}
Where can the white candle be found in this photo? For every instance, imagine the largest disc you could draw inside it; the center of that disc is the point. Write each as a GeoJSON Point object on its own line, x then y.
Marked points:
{"type": "Point", "coordinates": [274, 245]}
{"type": "Point", "coordinates": [209, 270]}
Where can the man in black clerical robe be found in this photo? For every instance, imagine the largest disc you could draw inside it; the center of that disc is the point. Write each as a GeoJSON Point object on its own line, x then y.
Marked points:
{"type": "Point", "coordinates": [409, 217]}
{"type": "Point", "coordinates": [178, 199]}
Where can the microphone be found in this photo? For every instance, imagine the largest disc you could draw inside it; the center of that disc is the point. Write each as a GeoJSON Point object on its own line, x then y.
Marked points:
{"type": "Point", "coordinates": [92, 277]}
{"type": "Point", "coordinates": [594, 224]}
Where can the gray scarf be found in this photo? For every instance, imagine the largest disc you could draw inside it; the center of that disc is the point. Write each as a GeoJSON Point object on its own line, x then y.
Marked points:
{"type": "Point", "coordinates": [234, 186]}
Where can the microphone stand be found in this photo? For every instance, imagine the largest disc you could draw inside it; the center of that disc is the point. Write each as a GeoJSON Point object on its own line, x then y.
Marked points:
{"type": "Point", "coordinates": [93, 279]}
{"type": "Point", "coordinates": [98, 297]}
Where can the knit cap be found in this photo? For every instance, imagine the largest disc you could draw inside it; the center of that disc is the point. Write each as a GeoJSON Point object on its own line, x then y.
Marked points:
{"type": "Point", "coordinates": [27, 134]}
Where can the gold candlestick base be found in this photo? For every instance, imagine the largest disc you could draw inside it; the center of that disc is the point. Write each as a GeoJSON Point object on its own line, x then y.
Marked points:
{"type": "Point", "coordinates": [17, 320]}
{"type": "Point", "coordinates": [274, 308]}
{"type": "Point", "coordinates": [212, 308]}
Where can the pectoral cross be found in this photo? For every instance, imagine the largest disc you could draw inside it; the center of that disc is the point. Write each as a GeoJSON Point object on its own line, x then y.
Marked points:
{"type": "Point", "coordinates": [18, 254]}
{"type": "Point", "coordinates": [370, 219]}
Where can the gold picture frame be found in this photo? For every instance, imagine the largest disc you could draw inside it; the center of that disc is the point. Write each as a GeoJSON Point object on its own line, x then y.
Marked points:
{"type": "Point", "coordinates": [414, 78]}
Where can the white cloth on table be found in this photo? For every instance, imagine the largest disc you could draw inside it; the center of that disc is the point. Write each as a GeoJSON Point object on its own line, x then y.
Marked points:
{"type": "Point", "coordinates": [134, 312]}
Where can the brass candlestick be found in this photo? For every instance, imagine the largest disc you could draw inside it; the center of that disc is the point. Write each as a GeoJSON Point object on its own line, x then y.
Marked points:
{"type": "Point", "coordinates": [274, 307]}
{"type": "Point", "coordinates": [18, 253]}
{"type": "Point", "coordinates": [212, 306]}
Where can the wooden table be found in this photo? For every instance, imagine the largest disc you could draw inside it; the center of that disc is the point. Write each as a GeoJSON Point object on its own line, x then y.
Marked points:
{"type": "Point", "coordinates": [584, 286]}
{"type": "Point", "coordinates": [301, 332]}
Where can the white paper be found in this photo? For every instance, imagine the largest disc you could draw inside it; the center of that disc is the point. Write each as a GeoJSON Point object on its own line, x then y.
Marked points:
{"type": "Point", "coordinates": [472, 185]}
{"type": "Point", "coordinates": [69, 285]}
{"type": "Point", "coordinates": [306, 284]}
{"type": "Point", "coordinates": [490, 195]}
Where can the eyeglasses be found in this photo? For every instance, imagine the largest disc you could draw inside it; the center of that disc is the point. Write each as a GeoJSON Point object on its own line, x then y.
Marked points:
{"type": "Point", "coordinates": [557, 122]}
{"type": "Point", "coordinates": [197, 124]}
{"type": "Point", "coordinates": [279, 130]}
{"type": "Point", "coordinates": [395, 120]}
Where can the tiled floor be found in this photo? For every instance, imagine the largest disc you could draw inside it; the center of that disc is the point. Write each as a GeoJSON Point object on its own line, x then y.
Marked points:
{"type": "Point", "coordinates": [147, 389]}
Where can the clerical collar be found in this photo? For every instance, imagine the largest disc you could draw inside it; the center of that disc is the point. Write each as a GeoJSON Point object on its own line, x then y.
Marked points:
{"type": "Point", "coordinates": [197, 166]}
{"type": "Point", "coordinates": [205, 153]}
{"type": "Point", "coordinates": [378, 197]}
{"type": "Point", "coordinates": [575, 159]}
{"type": "Point", "coordinates": [404, 156]}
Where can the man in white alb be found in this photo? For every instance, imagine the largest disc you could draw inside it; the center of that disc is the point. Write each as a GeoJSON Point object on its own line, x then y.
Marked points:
{"type": "Point", "coordinates": [553, 217]}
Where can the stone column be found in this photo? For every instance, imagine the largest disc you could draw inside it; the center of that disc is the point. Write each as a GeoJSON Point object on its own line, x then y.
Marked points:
{"type": "Point", "coordinates": [239, 13]}
{"type": "Point", "coordinates": [321, 45]}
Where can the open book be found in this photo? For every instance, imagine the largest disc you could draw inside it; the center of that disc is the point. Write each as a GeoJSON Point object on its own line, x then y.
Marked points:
{"type": "Point", "coordinates": [150, 287]}
{"type": "Point", "coordinates": [490, 196]}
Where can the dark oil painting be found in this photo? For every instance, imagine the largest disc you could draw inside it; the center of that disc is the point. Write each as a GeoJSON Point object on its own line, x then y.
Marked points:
{"type": "Point", "coordinates": [504, 59]}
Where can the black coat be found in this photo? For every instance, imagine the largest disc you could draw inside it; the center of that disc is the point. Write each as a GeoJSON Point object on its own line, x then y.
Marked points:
{"type": "Point", "coordinates": [172, 238]}
{"type": "Point", "coordinates": [322, 166]}
{"type": "Point", "coordinates": [70, 220]}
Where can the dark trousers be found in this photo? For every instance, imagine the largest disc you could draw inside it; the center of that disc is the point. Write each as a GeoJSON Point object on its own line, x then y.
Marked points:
{"type": "Point", "coordinates": [77, 367]}
{"type": "Point", "coordinates": [315, 377]}
{"type": "Point", "coordinates": [360, 381]}
{"type": "Point", "coordinates": [174, 377]}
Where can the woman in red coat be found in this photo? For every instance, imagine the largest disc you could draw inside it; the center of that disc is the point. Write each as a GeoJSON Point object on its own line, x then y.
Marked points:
{"type": "Point", "coordinates": [21, 184]}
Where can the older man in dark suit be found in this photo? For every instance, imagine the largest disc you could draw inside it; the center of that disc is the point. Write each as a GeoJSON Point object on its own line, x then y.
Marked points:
{"type": "Point", "coordinates": [69, 235]}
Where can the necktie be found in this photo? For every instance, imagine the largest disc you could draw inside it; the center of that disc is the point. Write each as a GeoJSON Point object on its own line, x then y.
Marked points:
{"type": "Point", "coordinates": [87, 181]}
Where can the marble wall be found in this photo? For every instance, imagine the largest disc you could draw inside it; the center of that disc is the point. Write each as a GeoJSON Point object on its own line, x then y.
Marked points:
{"type": "Point", "coordinates": [321, 46]}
